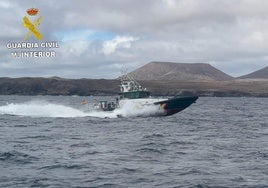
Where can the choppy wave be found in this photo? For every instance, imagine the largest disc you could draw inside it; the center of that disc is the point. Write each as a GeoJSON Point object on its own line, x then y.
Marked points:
{"type": "Point", "coordinates": [48, 109]}
{"type": "Point", "coordinates": [17, 157]}
{"type": "Point", "coordinates": [205, 146]}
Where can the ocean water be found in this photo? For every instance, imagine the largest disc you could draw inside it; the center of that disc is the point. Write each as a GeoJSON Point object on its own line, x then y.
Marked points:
{"type": "Point", "coordinates": [53, 141]}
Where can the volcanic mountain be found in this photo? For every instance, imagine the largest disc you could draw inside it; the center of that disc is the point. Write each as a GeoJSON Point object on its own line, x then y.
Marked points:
{"type": "Point", "coordinates": [179, 71]}
{"type": "Point", "coordinates": [259, 74]}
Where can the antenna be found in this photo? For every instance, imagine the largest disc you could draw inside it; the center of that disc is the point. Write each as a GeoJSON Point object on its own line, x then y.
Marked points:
{"type": "Point", "coordinates": [123, 73]}
{"type": "Point", "coordinates": [127, 78]}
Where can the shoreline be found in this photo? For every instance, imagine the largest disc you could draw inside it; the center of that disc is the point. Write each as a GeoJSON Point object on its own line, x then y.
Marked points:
{"type": "Point", "coordinates": [109, 87]}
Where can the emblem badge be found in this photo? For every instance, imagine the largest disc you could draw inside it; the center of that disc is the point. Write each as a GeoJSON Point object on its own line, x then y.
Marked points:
{"type": "Point", "coordinates": [32, 27]}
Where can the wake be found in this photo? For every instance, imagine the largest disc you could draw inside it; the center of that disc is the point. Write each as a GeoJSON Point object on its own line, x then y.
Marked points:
{"type": "Point", "coordinates": [48, 109]}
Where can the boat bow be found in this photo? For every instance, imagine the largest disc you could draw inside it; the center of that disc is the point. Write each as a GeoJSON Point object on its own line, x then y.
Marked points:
{"type": "Point", "coordinates": [176, 104]}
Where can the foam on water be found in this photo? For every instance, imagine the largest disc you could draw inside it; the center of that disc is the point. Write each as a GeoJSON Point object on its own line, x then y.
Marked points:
{"type": "Point", "coordinates": [48, 109]}
{"type": "Point", "coordinates": [132, 109]}
{"type": "Point", "coordinates": [40, 109]}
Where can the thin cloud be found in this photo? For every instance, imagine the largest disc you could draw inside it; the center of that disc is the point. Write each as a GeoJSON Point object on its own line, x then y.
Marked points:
{"type": "Point", "coordinates": [111, 46]}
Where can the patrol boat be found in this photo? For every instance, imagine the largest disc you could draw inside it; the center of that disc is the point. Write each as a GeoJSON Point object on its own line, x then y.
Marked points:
{"type": "Point", "coordinates": [133, 93]}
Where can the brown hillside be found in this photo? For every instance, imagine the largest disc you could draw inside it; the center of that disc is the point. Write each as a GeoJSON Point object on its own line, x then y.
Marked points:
{"type": "Point", "coordinates": [178, 72]}
{"type": "Point", "coordinates": [260, 74]}
{"type": "Point", "coordinates": [85, 87]}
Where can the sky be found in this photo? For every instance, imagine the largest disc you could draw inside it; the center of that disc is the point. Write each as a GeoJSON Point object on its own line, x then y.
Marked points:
{"type": "Point", "coordinates": [97, 37]}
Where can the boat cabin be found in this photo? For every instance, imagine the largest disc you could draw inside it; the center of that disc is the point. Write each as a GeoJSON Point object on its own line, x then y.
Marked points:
{"type": "Point", "coordinates": [130, 89]}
